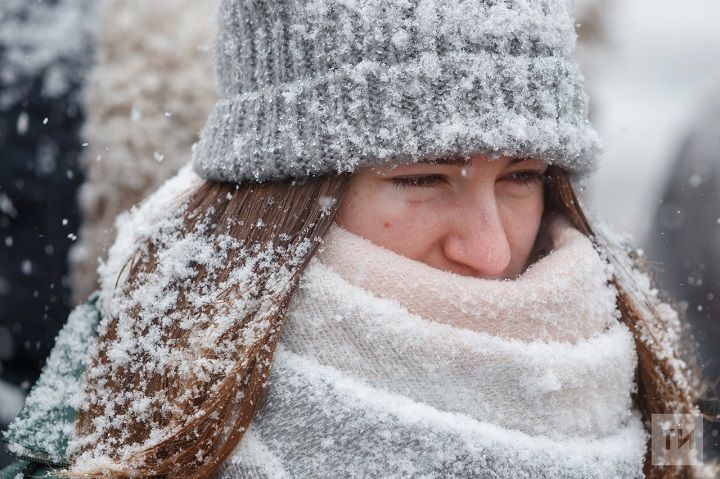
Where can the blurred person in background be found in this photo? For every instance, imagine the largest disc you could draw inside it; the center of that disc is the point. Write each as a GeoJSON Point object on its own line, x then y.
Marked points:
{"type": "Point", "coordinates": [111, 93]}
{"type": "Point", "coordinates": [685, 245]}
{"type": "Point", "coordinates": [147, 97]}
{"type": "Point", "coordinates": [45, 51]}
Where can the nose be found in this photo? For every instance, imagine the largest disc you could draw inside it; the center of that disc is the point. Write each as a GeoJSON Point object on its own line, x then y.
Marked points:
{"type": "Point", "coordinates": [477, 244]}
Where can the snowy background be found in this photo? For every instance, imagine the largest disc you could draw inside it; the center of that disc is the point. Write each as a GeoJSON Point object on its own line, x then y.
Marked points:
{"type": "Point", "coordinates": [659, 66]}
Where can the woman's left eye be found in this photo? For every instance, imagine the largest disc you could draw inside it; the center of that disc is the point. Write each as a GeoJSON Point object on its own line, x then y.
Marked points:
{"type": "Point", "coordinates": [424, 180]}
{"type": "Point", "coordinates": [524, 177]}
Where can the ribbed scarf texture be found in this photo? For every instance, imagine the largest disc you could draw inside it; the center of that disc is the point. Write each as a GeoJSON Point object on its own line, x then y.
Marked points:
{"type": "Point", "coordinates": [391, 368]}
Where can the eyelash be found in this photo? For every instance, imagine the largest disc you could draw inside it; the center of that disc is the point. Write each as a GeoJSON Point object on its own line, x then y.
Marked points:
{"type": "Point", "coordinates": [428, 181]}
{"type": "Point", "coordinates": [527, 176]}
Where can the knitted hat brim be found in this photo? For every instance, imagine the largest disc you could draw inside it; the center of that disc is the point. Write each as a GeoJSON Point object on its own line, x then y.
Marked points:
{"type": "Point", "coordinates": [371, 114]}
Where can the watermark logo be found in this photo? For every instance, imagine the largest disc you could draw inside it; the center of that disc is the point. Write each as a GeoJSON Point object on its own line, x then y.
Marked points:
{"type": "Point", "coordinates": [677, 439]}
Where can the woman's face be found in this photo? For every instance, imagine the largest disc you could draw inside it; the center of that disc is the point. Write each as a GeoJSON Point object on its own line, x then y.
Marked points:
{"type": "Point", "coordinates": [475, 218]}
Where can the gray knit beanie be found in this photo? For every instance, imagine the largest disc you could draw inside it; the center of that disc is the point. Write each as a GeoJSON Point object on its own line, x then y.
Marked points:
{"type": "Point", "coordinates": [316, 86]}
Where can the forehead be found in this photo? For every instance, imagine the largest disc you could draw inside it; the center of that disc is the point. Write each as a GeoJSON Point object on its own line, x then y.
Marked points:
{"type": "Point", "coordinates": [464, 161]}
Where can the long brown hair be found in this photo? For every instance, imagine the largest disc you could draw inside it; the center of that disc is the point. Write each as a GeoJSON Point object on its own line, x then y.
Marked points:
{"type": "Point", "coordinates": [205, 427]}
{"type": "Point", "coordinates": [663, 386]}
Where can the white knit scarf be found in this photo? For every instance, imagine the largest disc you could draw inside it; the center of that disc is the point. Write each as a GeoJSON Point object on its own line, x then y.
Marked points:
{"type": "Point", "coordinates": [388, 367]}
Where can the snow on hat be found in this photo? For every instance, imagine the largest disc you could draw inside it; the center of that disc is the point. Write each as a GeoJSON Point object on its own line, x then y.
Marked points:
{"type": "Point", "coordinates": [317, 86]}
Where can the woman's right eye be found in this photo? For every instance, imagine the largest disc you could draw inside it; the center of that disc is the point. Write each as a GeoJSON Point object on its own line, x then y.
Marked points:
{"type": "Point", "coordinates": [423, 180]}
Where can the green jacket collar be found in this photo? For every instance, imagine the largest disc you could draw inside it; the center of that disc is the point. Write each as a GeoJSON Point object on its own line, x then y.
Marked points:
{"type": "Point", "coordinates": [42, 430]}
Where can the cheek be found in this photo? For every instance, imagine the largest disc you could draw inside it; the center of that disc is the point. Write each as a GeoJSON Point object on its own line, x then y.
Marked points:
{"type": "Point", "coordinates": [521, 220]}
{"type": "Point", "coordinates": [386, 218]}
{"type": "Point", "coordinates": [368, 213]}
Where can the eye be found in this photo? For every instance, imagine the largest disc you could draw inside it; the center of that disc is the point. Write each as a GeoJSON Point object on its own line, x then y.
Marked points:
{"type": "Point", "coordinates": [525, 177]}
{"type": "Point", "coordinates": [424, 180]}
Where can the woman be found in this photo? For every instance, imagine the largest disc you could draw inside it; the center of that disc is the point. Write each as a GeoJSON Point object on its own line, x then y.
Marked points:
{"type": "Point", "coordinates": [385, 272]}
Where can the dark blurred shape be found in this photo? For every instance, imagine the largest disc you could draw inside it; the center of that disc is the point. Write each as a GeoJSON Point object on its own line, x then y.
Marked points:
{"type": "Point", "coordinates": [44, 54]}
{"type": "Point", "coordinates": [591, 20]}
{"type": "Point", "coordinates": [39, 177]}
{"type": "Point", "coordinates": [686, 243]}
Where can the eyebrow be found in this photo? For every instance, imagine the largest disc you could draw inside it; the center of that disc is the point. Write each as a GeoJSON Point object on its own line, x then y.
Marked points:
{"type": "Point", "coordinates": [515, 161]}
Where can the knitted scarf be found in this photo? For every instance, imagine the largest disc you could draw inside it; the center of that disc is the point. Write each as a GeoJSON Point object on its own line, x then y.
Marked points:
{"type": "Point", "coordinates": [391, 368]}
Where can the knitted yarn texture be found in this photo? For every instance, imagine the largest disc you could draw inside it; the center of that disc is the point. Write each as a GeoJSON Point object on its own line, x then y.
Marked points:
{"type": "Point", "coordinates": [313, 87]}
{"type": "Point", "coordinates": [363, 387]}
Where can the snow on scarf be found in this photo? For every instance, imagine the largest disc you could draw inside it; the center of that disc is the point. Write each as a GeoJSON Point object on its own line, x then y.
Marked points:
{"type": "Point", "coordinates": [391, 368]}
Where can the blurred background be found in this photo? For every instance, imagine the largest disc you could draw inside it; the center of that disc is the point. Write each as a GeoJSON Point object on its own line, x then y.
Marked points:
{"type": "Point", "coordinates": [100, 100]}
{"type": "Point", "coordinates": [654, 79]}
